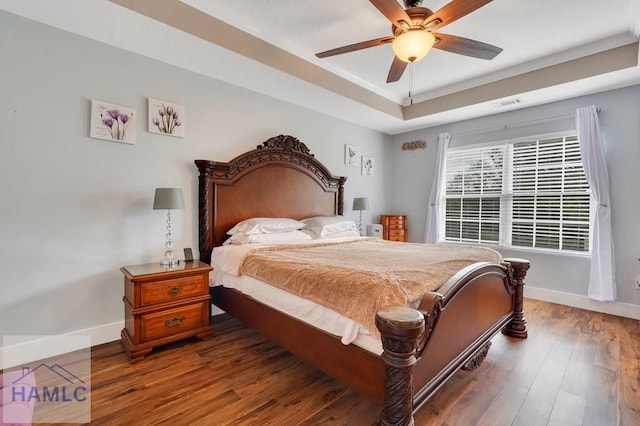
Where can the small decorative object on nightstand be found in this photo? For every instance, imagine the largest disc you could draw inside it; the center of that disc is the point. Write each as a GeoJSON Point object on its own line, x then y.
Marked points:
{"type": "Point", "coordinates": [163, 304]}
{"type": "Point", "coordinates": [394, 227]}
{"type": "Point", "coordinates": [374, 230]}
{"type": "Point", "coordinates": [168, 199]}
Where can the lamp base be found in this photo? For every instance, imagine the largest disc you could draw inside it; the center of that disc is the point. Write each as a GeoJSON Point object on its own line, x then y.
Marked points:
{"type": "Point", "coordinates": [170, 262]}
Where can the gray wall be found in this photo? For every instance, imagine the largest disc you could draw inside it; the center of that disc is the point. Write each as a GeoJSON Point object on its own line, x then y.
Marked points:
{"type": "Point", "coordinates": [620, 109]}
{"type": "Point", "coordinates": [74, 209]}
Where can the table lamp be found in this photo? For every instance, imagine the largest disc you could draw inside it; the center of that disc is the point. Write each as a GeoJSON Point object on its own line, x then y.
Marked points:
{"type": "Point", "coordinates": [360, 204]}
{"type": "Point", "coordinates": [168, 199]}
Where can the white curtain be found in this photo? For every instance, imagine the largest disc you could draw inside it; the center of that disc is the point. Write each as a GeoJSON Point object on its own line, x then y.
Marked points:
{"type": "Point", "coordinates": [602, 284]}
{"type": "Point", "coordinates": [433, 209]}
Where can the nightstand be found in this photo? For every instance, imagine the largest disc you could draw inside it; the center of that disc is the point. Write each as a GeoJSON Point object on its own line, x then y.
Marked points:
{"type": "Point", "coordinates": [163, 304]}
{"type": "Point", "coordinates": [394, 227]}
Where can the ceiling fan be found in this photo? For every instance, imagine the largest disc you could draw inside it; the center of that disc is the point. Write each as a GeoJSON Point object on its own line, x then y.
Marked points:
{"type": "Point", "coordinates": [413, 33]}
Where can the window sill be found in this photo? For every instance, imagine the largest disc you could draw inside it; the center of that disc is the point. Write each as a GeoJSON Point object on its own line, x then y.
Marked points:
{"type": "Point", "coordinates": [575, 254]}
{"type": "Point", "coordinates": [498, 247]}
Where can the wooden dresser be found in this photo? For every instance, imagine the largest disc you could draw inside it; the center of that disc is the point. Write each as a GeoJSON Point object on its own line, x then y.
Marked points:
{"type": "Point", "coordinates": [163, 304]}
{"type": "Point", "coordinates": [394, 227]}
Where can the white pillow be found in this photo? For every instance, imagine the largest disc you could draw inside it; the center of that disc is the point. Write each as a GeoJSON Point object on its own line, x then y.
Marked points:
{"type": "Point", "coordinates": [325, 226]}
{"type": "Point", "coordinates": [277, 238]}
{"type": "Point", "coordinates": [265, 225]}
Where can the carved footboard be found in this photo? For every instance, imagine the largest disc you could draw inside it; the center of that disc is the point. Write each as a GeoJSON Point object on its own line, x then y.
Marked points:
{"type": "Point", "coordinates": [450, 330]}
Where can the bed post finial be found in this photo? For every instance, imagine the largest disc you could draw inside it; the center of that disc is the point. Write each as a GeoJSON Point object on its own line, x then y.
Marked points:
{"type": "Point", "coordinates": [401, 328]}
{"type": "Point", "coordinates": [517, 327]}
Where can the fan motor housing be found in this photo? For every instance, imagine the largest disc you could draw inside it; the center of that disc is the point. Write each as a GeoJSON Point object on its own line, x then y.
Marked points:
{"type": "Point", "coordinates": [418, 17]}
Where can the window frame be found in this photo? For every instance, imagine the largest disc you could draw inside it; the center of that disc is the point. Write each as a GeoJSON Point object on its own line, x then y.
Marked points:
{"type": "Point", "coordinates": [506, 196]}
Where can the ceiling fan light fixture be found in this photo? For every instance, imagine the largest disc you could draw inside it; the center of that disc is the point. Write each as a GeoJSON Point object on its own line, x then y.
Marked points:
{"type": "Point", "coordinates": [413, 45]}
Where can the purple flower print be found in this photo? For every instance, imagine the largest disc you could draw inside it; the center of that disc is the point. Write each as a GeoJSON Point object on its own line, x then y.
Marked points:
{"type": "Point", "coordinates": [117, 122]}
{"type": "Point", "coordinates": [167, 121]}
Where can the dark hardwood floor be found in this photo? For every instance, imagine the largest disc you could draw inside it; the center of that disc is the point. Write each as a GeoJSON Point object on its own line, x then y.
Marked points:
{"type": "Point", "coordinates": [576, 368]}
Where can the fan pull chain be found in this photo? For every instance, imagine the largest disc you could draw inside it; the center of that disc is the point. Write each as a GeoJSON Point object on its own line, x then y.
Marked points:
{"type": "Point", "coordinates": [410, 83]}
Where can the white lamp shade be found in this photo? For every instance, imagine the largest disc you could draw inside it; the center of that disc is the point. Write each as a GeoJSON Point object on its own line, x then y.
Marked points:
{"type": "Point", "coordinates": [361, 203]}
{"type": "Point", "coordinates": [168, 199]}
{"type": "Point", "coordinates": [413, 45]}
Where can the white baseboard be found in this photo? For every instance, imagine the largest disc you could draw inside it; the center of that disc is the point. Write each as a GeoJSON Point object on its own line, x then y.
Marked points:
{"type": "Point", "coordinates": [33, 348]}
{"type": "Point", "coordinates": [620, 309]}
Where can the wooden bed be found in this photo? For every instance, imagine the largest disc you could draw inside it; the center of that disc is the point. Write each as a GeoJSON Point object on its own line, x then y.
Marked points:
{"type": "Point", "coordinates": [451, 328]}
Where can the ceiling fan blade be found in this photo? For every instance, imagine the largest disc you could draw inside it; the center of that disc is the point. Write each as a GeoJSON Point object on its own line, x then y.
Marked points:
{"type": "Point", "coordinates": [396, 70]}
{"type": "Point", "coordinates": [465, 46]}
{"type": "Point", "coordinates": [356, 46]}
{"type": "Point", "coordinates": [394, 12]}
{"type": "Point", "coordinates": [454, 11]}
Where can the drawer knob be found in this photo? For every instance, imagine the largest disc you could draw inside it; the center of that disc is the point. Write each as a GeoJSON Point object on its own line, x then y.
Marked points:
{"type": "Point", "coordinates": [174, 290]}
{"type": "Point", "coordinates": [174, 322]}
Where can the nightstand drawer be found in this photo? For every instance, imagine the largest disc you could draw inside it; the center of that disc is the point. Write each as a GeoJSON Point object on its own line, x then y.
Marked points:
{"type": "Point", "coordinates": [396, 234]}
{"type": "Point", "coordinates": [174, 289]}
{"type": "Point", "coordinates": [173, 321]}
{"type": "Point", "coordinates": [395, 222]}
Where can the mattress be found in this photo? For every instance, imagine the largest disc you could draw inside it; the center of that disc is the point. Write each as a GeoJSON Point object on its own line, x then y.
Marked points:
{"type": "Point", "coordinates": [225, 259]}
{"type": "Point", "coordinates": [413, 271]}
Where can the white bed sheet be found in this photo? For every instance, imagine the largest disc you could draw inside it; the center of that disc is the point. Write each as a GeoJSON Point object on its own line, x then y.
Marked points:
{"type": "Point", "coordinates": [226, 261]}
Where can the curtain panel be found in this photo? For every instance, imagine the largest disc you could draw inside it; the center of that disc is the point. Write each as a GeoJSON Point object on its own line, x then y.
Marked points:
{"type": "Point", "coordinates": [602, 285]}
{"type": "Point", "coordinates": [433, 209]}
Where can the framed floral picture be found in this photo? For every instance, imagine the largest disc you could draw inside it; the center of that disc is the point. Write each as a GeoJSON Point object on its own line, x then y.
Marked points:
{"type": "Point", "coordinates": [112, 122]}
{"type": "Point", "coordinates": [351, 155]}
{"type": "Point", "coordinates": [166, 118]}
{"type": "Point", "coordinates": [367, 166]}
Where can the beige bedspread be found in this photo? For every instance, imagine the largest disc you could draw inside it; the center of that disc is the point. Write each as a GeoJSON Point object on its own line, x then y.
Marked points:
{"type": "Point", "coordinates": [357, 278]}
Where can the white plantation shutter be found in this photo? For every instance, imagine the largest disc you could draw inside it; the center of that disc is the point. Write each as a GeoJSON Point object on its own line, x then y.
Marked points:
{"type": "Point", "coordinates": [473, 190]}
{"type": "Point", "coordinates": [529, 193]}
{"type": "Point", "coordinates": [551, 199]}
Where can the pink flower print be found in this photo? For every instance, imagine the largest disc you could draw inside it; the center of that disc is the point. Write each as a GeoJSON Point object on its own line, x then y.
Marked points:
{"type": "Point", "coordinates": [117, 122]}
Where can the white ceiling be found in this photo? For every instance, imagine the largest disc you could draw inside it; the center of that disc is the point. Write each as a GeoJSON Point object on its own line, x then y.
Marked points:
{"type": "Point", "coordinates": [543, 42]}
{"type": "Point", "coordinates": [526, 30]}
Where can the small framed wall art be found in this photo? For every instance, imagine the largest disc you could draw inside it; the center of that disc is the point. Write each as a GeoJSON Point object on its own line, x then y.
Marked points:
{"type": "Point", "coordinates": [166, 118]}
{"type": "Point", "coordinates": [367, 166]}
{"type": "Point", "coordinates": [351, 155]}
{"type": "Point", "coordinates": [112, 122]}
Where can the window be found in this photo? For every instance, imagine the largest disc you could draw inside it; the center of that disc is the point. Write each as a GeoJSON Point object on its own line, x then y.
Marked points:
{"type": "Point", "coordinates": [473, 193]}
{"type": "Point", "coordinates": [526, 193]}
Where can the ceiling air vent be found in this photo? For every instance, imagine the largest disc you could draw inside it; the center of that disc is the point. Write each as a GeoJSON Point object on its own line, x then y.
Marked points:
{"type": "Point", "coordinates": [508, 102]}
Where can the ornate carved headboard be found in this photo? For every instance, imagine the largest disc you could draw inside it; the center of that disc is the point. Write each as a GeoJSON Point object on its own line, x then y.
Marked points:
{"type": "Point", "coordinates": [280, 178]}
